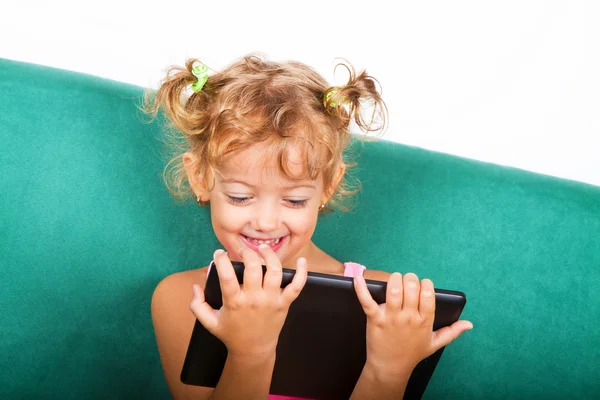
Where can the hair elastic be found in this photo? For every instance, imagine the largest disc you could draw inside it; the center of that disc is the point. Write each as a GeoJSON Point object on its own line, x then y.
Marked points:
{"type": "Point", "coordinates": [200, 72]}
{"type": "Point", "coordinates": [330, 93]}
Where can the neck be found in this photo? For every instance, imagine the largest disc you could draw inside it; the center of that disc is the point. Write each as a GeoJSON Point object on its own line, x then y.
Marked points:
{"type": "Point", "coordinates": [317, 260]}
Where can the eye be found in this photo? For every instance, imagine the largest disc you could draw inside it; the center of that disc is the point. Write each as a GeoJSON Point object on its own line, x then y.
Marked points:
{"type": "Point", "coordinates": [237, 200]}
{"type": "Point", "coordinates": [298, 203]}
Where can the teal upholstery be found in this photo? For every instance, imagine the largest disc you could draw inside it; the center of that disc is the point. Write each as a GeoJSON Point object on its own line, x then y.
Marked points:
{"type": "Point", "coordinates": [87, 230]}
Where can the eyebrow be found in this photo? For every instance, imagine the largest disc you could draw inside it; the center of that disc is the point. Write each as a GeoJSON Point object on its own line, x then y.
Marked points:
{"type": "Point", "coordinates": [293, 186]}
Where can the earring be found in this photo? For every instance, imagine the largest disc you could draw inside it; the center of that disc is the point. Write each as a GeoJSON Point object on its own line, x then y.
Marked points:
{"type": "Point", "coordinates": [322, 206]}
{"type": "Point", "coordinates": [201, 203]}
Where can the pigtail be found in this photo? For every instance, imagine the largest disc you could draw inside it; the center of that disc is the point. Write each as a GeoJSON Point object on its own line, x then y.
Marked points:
{"type": "Point", "coordinates": [184, 108]}
{"type": "Point", "coordinates": [359, 101]}
{"type": "Point", "coordinates": [186, 118]}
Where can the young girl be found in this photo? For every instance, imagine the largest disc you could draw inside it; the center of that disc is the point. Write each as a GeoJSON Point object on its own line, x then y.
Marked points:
{"type": "Point", "coordinates": [265, 151]}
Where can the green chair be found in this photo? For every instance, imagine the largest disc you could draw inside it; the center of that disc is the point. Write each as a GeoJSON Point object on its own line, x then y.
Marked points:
{"type": "Point", "coordinates": [88, 229]}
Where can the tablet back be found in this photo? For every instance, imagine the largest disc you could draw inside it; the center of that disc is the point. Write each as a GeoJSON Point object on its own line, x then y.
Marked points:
{"type": "Point", "coordinates": [322, 346]}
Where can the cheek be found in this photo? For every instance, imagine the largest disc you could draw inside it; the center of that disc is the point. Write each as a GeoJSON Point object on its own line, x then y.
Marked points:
{"type": "Point", "coordinates": [302, 223]}
{"type": "Point", "coordinates": [227, 217]}
{"type": "Point", "coordinates": [226, 223]}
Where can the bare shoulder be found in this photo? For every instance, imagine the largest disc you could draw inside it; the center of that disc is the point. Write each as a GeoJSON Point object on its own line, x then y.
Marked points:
{"type": "Point", "coordinates": [377, 275]}
{"type": "Point", "coordinates": [173, 323]}
{"type": "Point", "coordinates": [174, 291]}
{"type": "Point", "coordinates": [176, 282]}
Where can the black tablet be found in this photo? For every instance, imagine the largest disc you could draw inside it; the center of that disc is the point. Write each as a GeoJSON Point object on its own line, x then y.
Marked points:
{"type": "Point", "coordinates": [322, 346]}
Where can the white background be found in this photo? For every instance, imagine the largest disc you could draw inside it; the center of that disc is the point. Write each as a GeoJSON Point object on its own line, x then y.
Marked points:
{"type": "Point", "coordinates": [510, 82]}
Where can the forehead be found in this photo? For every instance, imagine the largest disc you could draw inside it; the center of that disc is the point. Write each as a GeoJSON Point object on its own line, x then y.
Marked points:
{"type": "Point", "coordinates": [260, 164]}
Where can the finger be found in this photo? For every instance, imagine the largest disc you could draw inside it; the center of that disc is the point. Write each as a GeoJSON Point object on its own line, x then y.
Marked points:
{"type": "Point", "coordinates": [444, 336]}
{"type": "Point", "coordinates": [230, 287]}
{"type": "Point", "coordinates": [253, 273]}
{"type": "Point", "coordinates": [370, 306]}
{"type": "Point", "coordinates": [202, 310]}
{"type": "Point", "coordinates": [293, 290]}
{"type": "Point", "coordinates": [427, 301]}
{"type": "Point", "coordinates": [272, 279]}
{"type": "Point", "coordinates": [393, 295]}
{"type": "Point", "coordinates": [411, 291]}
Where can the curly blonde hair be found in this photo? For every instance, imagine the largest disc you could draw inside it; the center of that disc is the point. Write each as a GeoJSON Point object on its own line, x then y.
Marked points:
{"type": "Point", "coordinates": [256, 101]}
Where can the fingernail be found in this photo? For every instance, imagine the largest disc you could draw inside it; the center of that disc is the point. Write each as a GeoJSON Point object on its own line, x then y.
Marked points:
{"type": "Point", "coordinates": [469, 326]}
{"type": "Point", "coordinates": [263, 246]}
{"type": "Point", "coordinates": [218, 253]}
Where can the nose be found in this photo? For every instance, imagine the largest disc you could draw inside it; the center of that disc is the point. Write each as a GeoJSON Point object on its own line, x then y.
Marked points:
{"type": "Point", "coordinates": [267, 218]}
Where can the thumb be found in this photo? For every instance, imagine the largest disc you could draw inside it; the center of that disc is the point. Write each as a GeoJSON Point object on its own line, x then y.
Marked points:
{"type": "Point", "coordinates": [202, 310]}
{"type": "Point", "coordinates": [444, 336]}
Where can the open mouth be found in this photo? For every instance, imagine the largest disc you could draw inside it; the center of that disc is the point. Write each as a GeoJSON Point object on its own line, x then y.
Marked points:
{"type": "Point", "coordinates": [275, 243]}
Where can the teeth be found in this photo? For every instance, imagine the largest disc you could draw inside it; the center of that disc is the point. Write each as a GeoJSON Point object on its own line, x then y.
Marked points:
{"type": "Point", "coordinates": [270, 242]}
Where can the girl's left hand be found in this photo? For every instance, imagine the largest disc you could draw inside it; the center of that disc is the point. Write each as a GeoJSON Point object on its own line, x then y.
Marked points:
{"type": "Point", "coordinates": [400, 331]}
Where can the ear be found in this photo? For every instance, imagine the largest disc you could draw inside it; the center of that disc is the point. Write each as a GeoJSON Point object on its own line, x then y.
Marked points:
{"type": "Point", "coordinates": [197, 182]}
{"type": "Point", "coordinates": [334, 184]}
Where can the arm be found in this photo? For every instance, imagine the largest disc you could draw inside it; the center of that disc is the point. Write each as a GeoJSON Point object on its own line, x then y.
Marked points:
{"type": "Point", "coordinates": [173, 324]}
{"type": "Point", "coordinates": [248, 324]}
{"type": "Point", "coordinates": [242, 377]}
{"type": "Point", "coordinates": [245, 378]}
{"type": "Point", "coordinates": [376, 380]}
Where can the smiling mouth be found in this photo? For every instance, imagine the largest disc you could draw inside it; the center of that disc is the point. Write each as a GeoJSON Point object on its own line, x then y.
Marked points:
{"type": "Point", "coordinates": [270, 242]}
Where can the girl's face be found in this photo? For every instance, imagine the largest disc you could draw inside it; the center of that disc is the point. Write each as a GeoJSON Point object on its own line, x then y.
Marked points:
{"type": "Point", "coordinates": [253, 202]}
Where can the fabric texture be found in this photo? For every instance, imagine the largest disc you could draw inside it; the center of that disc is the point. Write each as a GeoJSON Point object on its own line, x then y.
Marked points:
{"type": "Point", "coordinates": [88, 229]}
{"type": "Point", "coordinates": [352, 269]}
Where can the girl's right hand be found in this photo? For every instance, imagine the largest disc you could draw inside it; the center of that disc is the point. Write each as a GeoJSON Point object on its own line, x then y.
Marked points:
{"type": "Point", "coordinates": [252, 315]}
